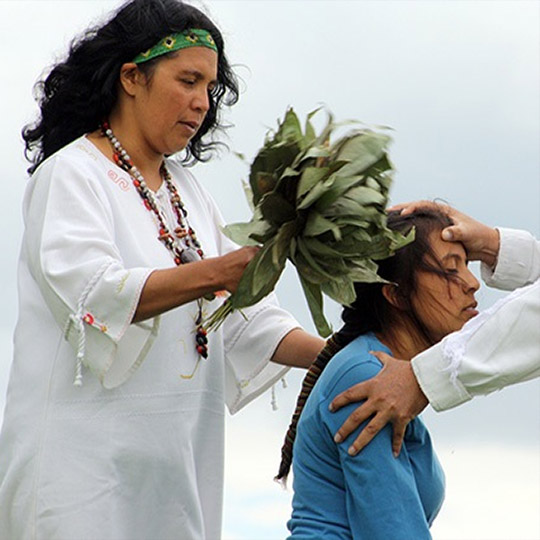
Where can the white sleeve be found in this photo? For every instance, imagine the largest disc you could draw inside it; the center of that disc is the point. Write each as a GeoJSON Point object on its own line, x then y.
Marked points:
{"type": "Point", "coordinates": [250, 343]}
{"type": "Point", "coordinates": [518, 261]}
{"type": "Point", "coordinates": [72, 255]}
{"type": "Point", "coordinates": [497, 348]}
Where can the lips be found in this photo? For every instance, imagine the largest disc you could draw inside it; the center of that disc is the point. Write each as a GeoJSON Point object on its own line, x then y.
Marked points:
{"type": "Point", "coordinates": [193, 125]}
{"type": "Point", "coordinates": [471, 310]}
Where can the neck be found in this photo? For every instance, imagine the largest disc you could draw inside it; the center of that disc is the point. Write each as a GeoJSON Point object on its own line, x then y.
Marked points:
{"type": "Point", "coordinates": [147, 161]}
{"type": "Point", "coordinates": [404, 339]}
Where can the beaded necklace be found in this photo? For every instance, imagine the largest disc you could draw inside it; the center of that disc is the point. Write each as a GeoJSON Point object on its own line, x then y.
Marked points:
{"type": "Point", "coordinates": [192, 250]}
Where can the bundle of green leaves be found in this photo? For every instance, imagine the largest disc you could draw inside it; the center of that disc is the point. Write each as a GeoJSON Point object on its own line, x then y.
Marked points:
{"type": "Point", "coordinates": [321, 205]}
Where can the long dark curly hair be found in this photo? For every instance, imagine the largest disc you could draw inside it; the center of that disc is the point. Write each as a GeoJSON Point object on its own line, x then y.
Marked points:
{"type": "Point", "coordinates": [79, 92]}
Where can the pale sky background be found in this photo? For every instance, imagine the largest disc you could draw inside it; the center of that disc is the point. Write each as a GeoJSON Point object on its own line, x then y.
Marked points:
{"type": "Point", "coordinates": [459, 81]}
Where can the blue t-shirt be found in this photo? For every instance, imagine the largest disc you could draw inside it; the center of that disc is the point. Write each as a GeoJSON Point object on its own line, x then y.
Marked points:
{"type": "Point", "coordinates": [369, 496]}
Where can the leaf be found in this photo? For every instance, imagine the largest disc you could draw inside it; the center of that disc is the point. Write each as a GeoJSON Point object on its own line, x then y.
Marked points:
{"type": "Point", "coordinates": [398, 240]}
{"type": "Point", "coordinates": [314, 299]}
{"type": "Point", "coordinates": [249, 195]}
{"type": "Point", "coordinates": [258, 280]}
{"type": "Point", "coordinates": [312, 153]}
{"type": "Point", "coordinates": [282, 244]}
{"type": "Point", "coordinates": [358, 224]}
{"type": "Point", "coordinates": [359, 145]}
{"type": "Point", "coordinates": [345, 206]}
{"type": "Point", "coordinates": [324, 136]}
{"type": "Point", "coordinates": [303, 267]}
{"type": "Point", "coordinates": [323, 249]}
{"type": "Point", "coordinates": [364, 272]}
{"type": "Point", "coordinates": [365, 196]}
{"type": "Point", "coordinates": [310, 177]}
{"type": "Point", "coordinates": [268, 165]}
{"type": "Point", "coordinates": [317, 224]}
{"type": "Point", "coordinates": [316, 192]}
{"type": "Point", "coordinates": [340, 187]}
{"type": "Point", "coordinates": [276, 209]}
{"type": "Point", "coordinates": [340, 290]}
{"type": "Point", "coordinates": [310, 134]}
{"type": "Point", "coordinates": [241, 232]}
{"type": "Point", "coordinates": [290, 128]}
{"type": "Point", "coordinates": [304, 250]}
{"type": "Point", "coordinates": [289, 171]}
{"type": "Point", "coordinates": [362, 150]}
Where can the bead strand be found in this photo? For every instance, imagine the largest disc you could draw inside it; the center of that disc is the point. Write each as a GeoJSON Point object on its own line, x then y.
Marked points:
{"type": "Point", "coordinates": [193, 251]}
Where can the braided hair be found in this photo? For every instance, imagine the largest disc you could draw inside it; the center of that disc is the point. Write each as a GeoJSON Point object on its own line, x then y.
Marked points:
{"type": "Point", "coordinates": [371, 312]}
{"type": "Point", "coordinates": [81, 91]}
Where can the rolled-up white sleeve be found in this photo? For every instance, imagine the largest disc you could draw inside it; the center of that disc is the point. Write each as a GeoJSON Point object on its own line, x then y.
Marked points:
{"type": "Point", "coordinates": [250, 342]}
{"type": "Point", "coordinates": [497, 348]}
{"type": "Point", "coordinates": [518, 263]}
{"type": "Point", "coordinates": [73, 258]}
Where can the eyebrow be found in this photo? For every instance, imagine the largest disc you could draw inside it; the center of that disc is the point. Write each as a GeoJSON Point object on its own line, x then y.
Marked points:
{"type": "Point", "coordinates": [453, 256]}
{"type": "Point", "coordinates": [197, 74]}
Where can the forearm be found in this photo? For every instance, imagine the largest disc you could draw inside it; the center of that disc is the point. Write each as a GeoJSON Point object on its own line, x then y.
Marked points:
{"type": "Point", "coordinates": [298, 349]}
{"type": "Point", "coordinates": [497, 348]}
{"type": "Point", "coordinates": [172, 287]}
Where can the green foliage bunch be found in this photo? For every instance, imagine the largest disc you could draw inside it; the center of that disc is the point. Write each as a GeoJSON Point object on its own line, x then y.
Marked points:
{"type": "Point", "coordinates": [320, 205]}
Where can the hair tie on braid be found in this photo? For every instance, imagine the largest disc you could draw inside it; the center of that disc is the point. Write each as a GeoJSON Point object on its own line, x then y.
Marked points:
{"type": "Point", "coordinates": [333, 345]}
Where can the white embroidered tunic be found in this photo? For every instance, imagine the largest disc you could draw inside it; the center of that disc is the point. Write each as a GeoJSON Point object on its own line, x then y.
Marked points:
{"type": "Point", "coordinates": [136, 452]}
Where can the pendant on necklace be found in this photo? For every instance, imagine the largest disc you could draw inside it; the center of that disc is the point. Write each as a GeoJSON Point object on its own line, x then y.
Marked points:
{"type": "Point", "coordinates": [189, 255]}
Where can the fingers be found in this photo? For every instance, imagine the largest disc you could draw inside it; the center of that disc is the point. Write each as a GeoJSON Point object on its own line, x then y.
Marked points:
{"type": "Point", "coordinates": [411, 207]}
{"type": "Point", "coordinates": [233, 264]}
{"type": "Point", "coordinates": [367, 434]}
{"type": "Point", "coordinates": [371, 429]}
{"type": "Point", "coordinates": [398, 434]}
{"type": "Point", "coordinates": [361, 414]}
{"type": "Point", "coordinates": [355, 393]}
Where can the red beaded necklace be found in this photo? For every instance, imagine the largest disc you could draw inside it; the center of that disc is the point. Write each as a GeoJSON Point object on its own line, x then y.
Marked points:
{"type": "Point", "coordinates": [191, 250]}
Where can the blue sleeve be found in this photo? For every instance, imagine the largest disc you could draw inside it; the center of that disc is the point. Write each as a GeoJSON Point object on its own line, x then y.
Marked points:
{"type": "Point", "coordinates": [382, 498]}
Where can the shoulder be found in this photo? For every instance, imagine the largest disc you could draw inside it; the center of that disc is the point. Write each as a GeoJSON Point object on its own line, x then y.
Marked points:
{"type": "Point", "coordinates": [75, 173]}
{"type": "Point", "coordinates": [79, 162]}
{"type": "Point", "coordinates": [351, 365]}
{"type": "Point", "coordinates": [79, 153]}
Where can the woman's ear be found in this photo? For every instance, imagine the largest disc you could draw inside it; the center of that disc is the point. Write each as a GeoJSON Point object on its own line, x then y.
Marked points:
{"type": "Point", "coordinates": [131, 78]}
{"type": "Point", "coordinates": [392, 296]}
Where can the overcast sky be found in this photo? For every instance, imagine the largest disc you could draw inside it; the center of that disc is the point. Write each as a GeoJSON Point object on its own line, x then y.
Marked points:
{"type": "Point", "coordinates": [458, 81]}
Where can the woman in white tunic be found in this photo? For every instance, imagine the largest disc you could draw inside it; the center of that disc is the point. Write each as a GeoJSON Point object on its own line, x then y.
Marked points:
{"type": "Point", "coordinates": [133, 449]}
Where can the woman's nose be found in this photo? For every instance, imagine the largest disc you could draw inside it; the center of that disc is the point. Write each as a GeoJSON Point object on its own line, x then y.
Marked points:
{"type": "Point", "coordinates": [201, 101]}
{"type": "Point", "coordinates": [470, 281]}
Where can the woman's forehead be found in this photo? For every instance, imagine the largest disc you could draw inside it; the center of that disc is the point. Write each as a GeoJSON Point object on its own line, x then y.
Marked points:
{"type": "Point", "coordinates": [195, 58]}
{"type": "Point", "coordinates": [444, 248]}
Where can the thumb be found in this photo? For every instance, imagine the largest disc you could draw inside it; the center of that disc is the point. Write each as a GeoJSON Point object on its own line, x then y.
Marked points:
{"type": "Point", "coordinates": [451, 234]}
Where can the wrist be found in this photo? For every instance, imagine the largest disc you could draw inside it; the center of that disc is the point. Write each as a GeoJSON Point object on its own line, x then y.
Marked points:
{"type": "Point", "coordinates": [490, 250]}
{"type": "Point", "coordinates": [419, 401]}
{"type": "Point", "coordinates": [212, 274]}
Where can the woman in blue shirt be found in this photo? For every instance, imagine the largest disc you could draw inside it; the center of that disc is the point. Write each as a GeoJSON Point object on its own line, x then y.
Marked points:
{"type": "Point", "coordinates": [429, 293]}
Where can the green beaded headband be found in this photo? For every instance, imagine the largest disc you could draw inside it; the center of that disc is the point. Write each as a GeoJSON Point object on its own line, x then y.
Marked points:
{"type": "Point", "coordinates": [174, 42]}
